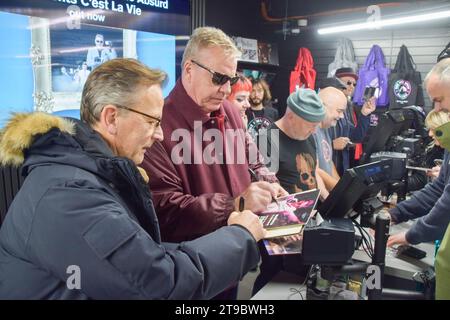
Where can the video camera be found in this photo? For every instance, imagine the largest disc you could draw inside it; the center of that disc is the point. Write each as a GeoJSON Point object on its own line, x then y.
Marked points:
{"type": "Point", "coordinates": [398, 130]}
{"type": "Point", "coordinates": [400, 136]}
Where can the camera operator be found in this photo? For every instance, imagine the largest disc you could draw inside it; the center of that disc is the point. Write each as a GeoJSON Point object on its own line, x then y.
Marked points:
{"type": "Point", "coordinates": [432, 202]}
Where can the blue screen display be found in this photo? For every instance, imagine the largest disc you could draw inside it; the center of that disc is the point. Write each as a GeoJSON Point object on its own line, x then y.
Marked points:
{"type": "Point", "coordinates": [47, 55]}
{"type": "Point", "coordinates": [372, 171]}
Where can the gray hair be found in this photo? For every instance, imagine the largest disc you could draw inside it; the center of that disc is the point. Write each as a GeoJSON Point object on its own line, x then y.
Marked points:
{"type": "Point", "coordinates": [205, 37]}
{"type": "Point", "coordinates": [440, 69]}
{"type": "Point", "coordinates": [115, 82]}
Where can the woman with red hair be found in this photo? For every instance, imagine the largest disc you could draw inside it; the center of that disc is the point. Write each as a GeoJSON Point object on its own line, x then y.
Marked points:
{"type": "Point", "coordinates": [240, 95]}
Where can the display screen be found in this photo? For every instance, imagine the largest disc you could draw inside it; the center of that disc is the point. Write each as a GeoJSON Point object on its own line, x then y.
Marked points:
{"type": "Point", "coordinates": [372, 171]}
{"type": "Point", "coordinates": [49, 47]}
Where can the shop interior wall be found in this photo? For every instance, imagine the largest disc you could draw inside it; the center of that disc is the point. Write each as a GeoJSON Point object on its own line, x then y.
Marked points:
{"type": "Point", "coordinates": [243, 18]}
{"type": "Point", "coordinates": [424, 44]}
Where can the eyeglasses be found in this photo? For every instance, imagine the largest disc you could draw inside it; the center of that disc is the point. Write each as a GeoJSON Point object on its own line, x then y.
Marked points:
{"type": "Point", "coordinates": [351, 83]}
{"type": "Point", "coordinates": [218, 79]}
{"type": "Point", "coordinates": [305, 176]}
{"type": "Point", "coordinates": [155, 121]}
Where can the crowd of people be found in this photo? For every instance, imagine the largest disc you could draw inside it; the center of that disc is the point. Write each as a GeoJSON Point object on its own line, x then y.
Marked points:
{"type": "Point", "coordinates": [154, 198]}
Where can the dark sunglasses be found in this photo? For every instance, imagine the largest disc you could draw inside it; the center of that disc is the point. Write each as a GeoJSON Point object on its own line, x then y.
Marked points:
{"type": "Point", "coordinates": [156, 121]}
{"type": "Point", "coordinates": [218, 79]}
{"type": "Point", "coordinates": [305, 176]}
{"type": "Point", "coordinates": [351, 83]}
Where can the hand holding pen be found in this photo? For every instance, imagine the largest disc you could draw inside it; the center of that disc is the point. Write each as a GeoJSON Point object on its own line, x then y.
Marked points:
{"type": "Point", "coordinates": [256, 197]}
{"type": "Point", "coordinates": [254, 177]}
{"type": "Point", "coordinates": [263, 187]}
{"type": "Point", "coordinates": [280, 192]}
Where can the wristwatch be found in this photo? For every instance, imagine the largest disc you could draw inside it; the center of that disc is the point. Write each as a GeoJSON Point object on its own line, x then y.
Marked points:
{"type": "Point", "coordinates": [241, 203]}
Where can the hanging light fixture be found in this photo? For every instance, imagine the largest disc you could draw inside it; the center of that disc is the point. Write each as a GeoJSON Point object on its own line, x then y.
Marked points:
{"type": "Point", "coordinates": [387, 22]}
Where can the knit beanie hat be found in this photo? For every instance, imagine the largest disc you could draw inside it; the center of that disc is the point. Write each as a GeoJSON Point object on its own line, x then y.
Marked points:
{"type": "Point", "coordinates": [306, 104]}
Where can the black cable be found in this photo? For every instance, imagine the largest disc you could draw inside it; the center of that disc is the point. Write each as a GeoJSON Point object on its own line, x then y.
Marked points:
{"type": "Point", "coordinates": [366, 239]}
{"type": "Point", "coordinates": [299, 291]}
{"type": "Point", "coordinates": [294, 292]}
{"type": "Point", "coordinates": [308, 274]}
{"type": "Point", "coordinates": [367, 247]}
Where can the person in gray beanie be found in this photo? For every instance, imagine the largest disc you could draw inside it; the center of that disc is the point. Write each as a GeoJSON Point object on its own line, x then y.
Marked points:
{"type": "Point", "coordinates": [291, 151]}
{"type": "Point", "coordinates": [306, 104]}
{"type": "Point", "coordinates": [296, 158]}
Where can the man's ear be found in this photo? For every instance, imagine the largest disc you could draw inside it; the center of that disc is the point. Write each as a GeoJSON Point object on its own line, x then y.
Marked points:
{"type": "Point", "coordinates": [109, 118]}
{"type": "Point", "coordinates": [187, 68]}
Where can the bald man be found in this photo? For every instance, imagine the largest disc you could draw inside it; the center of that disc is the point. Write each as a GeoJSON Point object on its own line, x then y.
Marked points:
{"type": "Point", "coordinates": [335, 104]}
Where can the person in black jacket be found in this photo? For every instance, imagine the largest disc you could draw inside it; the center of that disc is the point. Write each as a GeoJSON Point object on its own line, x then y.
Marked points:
{"type": "Point", "coordinates": [83, 225]}
{"type": "Point", "coordinates": [431, 204]}
{"type": "Point", "coordinates": [353, 127]}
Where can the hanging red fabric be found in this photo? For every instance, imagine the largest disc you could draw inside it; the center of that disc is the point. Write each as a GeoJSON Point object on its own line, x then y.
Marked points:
{"type": "Point", "coordinates": [303, 74]}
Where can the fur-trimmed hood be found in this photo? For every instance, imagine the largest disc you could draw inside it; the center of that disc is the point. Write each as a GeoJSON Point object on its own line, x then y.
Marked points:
{"type": "Point", "coordinates": [32, 134]}
{"type": "Point", "coordinates": [21, 131]}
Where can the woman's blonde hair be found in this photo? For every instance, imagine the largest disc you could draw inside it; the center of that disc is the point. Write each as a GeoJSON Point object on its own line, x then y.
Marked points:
{"type": "Point", "coordinates": [436, 119]}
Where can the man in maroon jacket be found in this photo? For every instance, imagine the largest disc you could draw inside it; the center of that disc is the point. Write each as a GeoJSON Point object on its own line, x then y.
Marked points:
{"type": "Point", "coordinates": [194, 189]}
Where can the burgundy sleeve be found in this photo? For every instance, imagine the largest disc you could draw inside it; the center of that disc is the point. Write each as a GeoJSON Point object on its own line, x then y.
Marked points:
{"type": "Point", "coordinates": [182, 216]}
{"type": "Point", "coordinates": [256, 161]}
